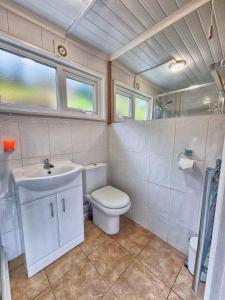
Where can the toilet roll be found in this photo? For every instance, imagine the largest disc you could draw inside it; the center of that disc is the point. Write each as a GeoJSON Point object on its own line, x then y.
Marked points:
{"type": "Point", "coordinates": [186, 163]}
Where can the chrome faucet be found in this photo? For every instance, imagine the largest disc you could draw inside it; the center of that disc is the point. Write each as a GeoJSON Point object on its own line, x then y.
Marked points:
{"type": "Point", "coordinates": [47, 164]}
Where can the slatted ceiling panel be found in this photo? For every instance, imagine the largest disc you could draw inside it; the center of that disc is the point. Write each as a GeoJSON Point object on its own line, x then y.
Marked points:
{"type": "Point", "coordinates": [183, 31]}
{"type": "Point", "coordinates": [204, 14]}
{"type": "Point", "coordinates": [109, 16]}
{"type": "Point", "coordinates": [154, 9]}
{"type": "Point", "coordinates": [102, 23]}
{"type": "Point", "coordinates": [193, 49]}
{"type": "Point", "coordinates": [96, 40]}
{"type": "Point", "coordinates": [61, 13]}
{"type": "Point", "coordinates": [121, 10]}
{"type": "Point", "coordinates": [193, 22]}
{"type": "Point", "coordinates": [137, 9]}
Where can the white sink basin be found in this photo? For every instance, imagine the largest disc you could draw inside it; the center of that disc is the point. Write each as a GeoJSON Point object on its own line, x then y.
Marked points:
{"type": "Point", "coordinates": [37, 178]}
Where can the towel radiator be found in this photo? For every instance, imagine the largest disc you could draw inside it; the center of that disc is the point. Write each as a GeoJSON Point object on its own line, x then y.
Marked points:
{"type": "Point", "coordinates": [206, 223]}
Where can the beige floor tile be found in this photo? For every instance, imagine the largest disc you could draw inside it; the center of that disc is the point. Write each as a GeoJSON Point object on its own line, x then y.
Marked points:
{"type": "Point", "coordinates": [110, 259]}
{"type": "Point", "coordinates": [46, 295]}
{"type": "Point", "coordinates": [124, 221]}
{"type": "Point", "coordinates": [24, 288]}
{"type": "Point", "coordinates": [64, 264]}
{"type": "Point", "coordinates": [132, 239]}
{"type": "Point", "coordinates": [83, 282]}
{"type": "Point", "coordinates": [182, 286]}
{"type": "Point", "coordinates": [16, 262]}
{"type": "Point", "coordinates": [137, 282]}
{"type": "Point", "coordinates": [93, 237]}
{"type": "Point", "coordinates": [164, 261]}
{"type": "Point", "coordinates": [109, 296]}
{"type": "Point", "coordinates": [173, 296]}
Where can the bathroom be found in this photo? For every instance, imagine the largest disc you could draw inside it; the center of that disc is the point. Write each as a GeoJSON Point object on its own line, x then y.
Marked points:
{"type": "Point", "coordinates": [127, 96]}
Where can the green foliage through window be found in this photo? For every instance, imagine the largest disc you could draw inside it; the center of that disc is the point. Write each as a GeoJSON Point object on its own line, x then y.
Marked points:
{"type": "Point", "coordinates": [123, 104]}
{"type": "Point", "coordinates": [80, 95]}
{"type": "Point", "coordinates": [26, 82]}
{"type": "Point", "coordinates": [141, 109]}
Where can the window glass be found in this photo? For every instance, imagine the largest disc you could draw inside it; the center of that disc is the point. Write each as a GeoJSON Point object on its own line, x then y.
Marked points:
{"type": "Point", "coordinates": [141, 109]}
{"type": "Point", "coordinates": [80, 95]}
{"type": "Point", "coordinates": [24, 81]}
{"type": "Point", "coordinates": [123, 105]}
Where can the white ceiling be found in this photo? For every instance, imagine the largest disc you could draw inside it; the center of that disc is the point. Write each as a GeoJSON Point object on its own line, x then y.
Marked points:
{"type": "Point", "coordinates": [110, 24]}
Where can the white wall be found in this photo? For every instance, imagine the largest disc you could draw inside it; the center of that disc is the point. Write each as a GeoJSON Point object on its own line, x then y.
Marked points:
{"type": "Point", "coordinates": [143, 163]}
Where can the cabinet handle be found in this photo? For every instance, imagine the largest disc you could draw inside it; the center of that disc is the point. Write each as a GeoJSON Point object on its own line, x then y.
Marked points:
{"type": "Point", "coordinates": [52, 210]}
{"type": "Point", "coordinates": [64, 205]}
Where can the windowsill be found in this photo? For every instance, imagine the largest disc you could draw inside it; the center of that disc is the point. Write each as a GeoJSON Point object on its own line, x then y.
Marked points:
{"type": "Point", "coordinates": [5, 109]}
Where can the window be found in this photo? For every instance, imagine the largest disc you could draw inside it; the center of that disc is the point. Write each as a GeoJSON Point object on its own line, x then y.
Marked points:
{"type": "Point", "coordinates": [123, 105]}
{"type": "Point", "coordinates": [33, 81]}
{"type": "Point", "coordinates": [80, 94]}
{"type": "Point", "coordinates": [141, 109]}
{"type": "Point", "coordinates": [25, 82]}
{"type": "Point", "coordinates": [130, 104]}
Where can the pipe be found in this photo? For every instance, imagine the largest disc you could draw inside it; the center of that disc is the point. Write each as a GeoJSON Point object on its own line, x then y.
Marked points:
{"type": "Point", "coordinates": [151, 68]}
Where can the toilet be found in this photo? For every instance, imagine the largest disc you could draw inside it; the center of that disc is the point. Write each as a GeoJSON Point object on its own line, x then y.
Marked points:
{"type": "Point", "coordinates": [108, 203]}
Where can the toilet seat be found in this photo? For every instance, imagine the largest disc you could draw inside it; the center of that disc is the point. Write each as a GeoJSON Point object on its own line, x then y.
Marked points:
{"type": "Point", "coordinates": [110, 197]}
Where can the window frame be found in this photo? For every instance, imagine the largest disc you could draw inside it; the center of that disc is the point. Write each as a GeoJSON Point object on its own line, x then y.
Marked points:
{"type": "Point", "coordinates": [31, 108]}
{"type": "Point", "coordinates": [61, 65]}
{"type": "Point", "coordinates": [125, 93]}
{"type": "Point", "coordinates": [88, 79]}
{"type": "Point", "coordinates": [133, 94]}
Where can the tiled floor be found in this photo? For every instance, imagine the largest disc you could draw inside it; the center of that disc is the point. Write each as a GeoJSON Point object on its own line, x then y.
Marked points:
{"type": "Point", "coordinates": [133, 264]}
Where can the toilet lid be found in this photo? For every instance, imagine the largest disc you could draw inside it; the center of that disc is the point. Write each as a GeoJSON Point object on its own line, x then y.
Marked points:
{"type": "Point", "coordinates": [111, 197]}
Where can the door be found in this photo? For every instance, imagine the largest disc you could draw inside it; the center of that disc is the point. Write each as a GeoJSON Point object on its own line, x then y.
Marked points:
{"type": "Point", "coordinates": [40, 228]}
{"type": "Point", "coordinates": [70, 212]}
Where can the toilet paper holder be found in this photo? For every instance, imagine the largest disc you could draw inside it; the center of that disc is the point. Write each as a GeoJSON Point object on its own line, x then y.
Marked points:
{"type": "Point", "coordinates": [187, 153]}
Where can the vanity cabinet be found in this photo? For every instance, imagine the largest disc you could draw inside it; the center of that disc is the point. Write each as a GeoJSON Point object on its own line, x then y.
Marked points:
{"type": "Point", "coordinates": [51, 224]}
{"type": "Point", "coordinates": [40, 228]}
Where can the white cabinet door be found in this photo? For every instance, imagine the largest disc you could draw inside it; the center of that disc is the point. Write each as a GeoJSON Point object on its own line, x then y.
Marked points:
{"type": "Point", "coordinates": [70, 212]}
{"type": "Point", "coordinates": [40, 228]}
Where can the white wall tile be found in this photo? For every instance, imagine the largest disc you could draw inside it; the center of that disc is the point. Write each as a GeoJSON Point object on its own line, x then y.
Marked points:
{"type": "Point", "coordinates": [191, 134]}
{"type": "Point", "coordinates": [60, 138]}
{"type": "Point", "coordinates": [80, 137]}
{"type": "Point", "coordinates": [185, 209]}
{"type": "Point", "coordinates": [160, 168]}
{"type": "Point", "coordinates": [10, 130]}
{"type": "Point", "coordinates": [215, 139]}
{"type": "Point", "coordinates": [61, 157]}
{"type": "Point", "coordinates": [34, 138]}
{"type": "Point", "coordinates": [162, 137]}
{"type": "Point", "coordinates": [178, 237]}
{"type": "Point", "coordinates": [98, 136]}
{"type": "Point", "coordinates": [3, 20]}
{"type": "Point", "coordinates": [190, 180]}
{"type": "Point", "coordinates": [159, 199]}
{"type": "Point", "coordinates": [24, 29]}
{"type": "Point", "coordinates": [158, 224]}
{"type": "Point", "coordinates": [7, 188]}
{"type": "Point", "coordinates": [81, 158]}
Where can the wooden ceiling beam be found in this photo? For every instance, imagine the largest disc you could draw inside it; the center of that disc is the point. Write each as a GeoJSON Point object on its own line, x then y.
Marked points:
{"type": "Point", "coordinates": [171, 19]}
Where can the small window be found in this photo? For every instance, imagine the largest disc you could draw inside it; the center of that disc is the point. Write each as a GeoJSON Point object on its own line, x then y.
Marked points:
{"type": "Point", "coordinates": [123, 105]}
{"type": "Point", "coordinates": [81, 94]}
{"type": "Point", "coordinates": [25, 82]}
{"type": "Point", "coordinates": [141, 109]}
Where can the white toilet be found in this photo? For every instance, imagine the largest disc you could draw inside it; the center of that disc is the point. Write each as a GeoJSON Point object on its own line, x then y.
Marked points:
{"type": "Point", "coordinates": [108, 203]}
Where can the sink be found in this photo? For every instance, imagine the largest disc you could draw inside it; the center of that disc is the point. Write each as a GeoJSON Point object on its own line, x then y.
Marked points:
{"type": "Point", "coordinates": [37, 178]}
